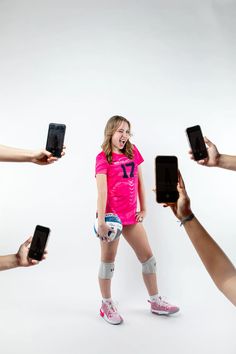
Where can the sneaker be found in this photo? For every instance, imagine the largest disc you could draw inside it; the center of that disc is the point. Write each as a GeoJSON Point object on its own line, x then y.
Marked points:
{"type": "Point", "coordinates": [161, 307]}
{"type": "Point", "coordinates": [109, 312]}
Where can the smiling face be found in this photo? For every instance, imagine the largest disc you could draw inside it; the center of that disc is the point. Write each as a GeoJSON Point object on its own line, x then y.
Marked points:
{"type": "Point", "coordinates": [120, 137]}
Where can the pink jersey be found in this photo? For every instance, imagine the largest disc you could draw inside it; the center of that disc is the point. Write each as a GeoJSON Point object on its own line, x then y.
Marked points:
{"type": "Point", "coordinates": [122, 184]}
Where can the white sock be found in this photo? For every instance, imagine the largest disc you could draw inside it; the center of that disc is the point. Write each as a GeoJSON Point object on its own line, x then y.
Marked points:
{"type": "Point", "coordinates": [109, 299]}
{"type": "Point", "coordinates": [154, 297]}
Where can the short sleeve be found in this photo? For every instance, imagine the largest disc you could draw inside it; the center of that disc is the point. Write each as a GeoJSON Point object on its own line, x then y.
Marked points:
{"type": "Point", "coordinates": [138, 157]}
{"type": "Point", "coordinates": [101, 164]}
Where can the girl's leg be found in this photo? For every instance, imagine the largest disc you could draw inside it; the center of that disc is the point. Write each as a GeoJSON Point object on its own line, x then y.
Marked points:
{"type": "Point", "coordinates": [108, 310]}
{"type": "Point", "coordinates": [136, 236]}
{"type": "Point", "coordinates": [108, 254]}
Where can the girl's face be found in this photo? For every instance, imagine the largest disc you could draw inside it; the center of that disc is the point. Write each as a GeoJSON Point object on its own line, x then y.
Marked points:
{"type": "Point", "coordinates": [120, 137]}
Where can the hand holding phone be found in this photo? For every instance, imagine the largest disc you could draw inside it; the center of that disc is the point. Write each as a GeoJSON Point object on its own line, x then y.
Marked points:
{"type": "Point", "coordinates": [55, 139]}
{"type": "Point", "coordinates": [197, 143]}
{"type": "Point", "coordinates": [166, 179]}
{"type": "Point", "coordinates": [39, 242]}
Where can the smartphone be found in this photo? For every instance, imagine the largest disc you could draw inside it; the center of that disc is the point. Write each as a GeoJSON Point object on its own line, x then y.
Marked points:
{"type": "Point", "coordinates": [197, 142]}
{"type": "Point", "coordinates": [166, 179]}
{"type": "Point", "coordinates": [39, 242]}
{"type": "Point", "coordinates": [55, 139]}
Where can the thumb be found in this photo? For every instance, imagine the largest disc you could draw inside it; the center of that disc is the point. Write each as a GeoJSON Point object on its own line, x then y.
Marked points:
{"type": "Point", "coordinates": [181, 185]}
{"type": "Point", "coordinates": [28, 242]}
{"type": "Point", "coordinates": [47, 153]}
{"type": "Point", "coordinates": [208, 142]}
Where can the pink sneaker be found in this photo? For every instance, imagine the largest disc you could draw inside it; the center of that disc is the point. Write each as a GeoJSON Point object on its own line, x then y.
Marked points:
{"type": "Point", "coordinates": [162, 307]}
{"type": "Point", "coordinates": [109, 312]}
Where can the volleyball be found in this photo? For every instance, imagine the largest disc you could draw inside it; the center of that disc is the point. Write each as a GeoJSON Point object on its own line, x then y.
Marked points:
{"type": "Point", "coordinates": [115, 224]}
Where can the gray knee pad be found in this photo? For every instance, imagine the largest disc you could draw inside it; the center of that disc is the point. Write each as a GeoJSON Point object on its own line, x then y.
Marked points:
{"type": "Point", "coordinates": [149, 267]}
{"type": "Point", "coordinates": [106, 270]}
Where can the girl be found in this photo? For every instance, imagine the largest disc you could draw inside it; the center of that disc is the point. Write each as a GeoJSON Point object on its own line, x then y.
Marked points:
{"type": "Point", "coordinates": [119, 182]}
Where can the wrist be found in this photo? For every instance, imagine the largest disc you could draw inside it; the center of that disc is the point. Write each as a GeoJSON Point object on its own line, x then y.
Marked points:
{"type": "Point", "coordinates": [30, 156]}
{"type": "Point", "coordinates": [17, 260]}
{"type": "Point", "coordinates": [101, 221]}
{"type": "Point", "coordinates": [219, 159]}
{"type": "Point", "coordinates": [100, 216]}
{"type": "Point", "coordinates": [186, 218]}
{"type": "Point", "coordinates": [12, 261]}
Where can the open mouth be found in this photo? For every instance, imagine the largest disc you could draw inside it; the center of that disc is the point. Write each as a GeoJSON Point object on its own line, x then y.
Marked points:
{"type": "Point", "coordinates": [122, 141]}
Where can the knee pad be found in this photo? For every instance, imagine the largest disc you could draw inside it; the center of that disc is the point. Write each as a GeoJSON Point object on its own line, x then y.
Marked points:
{"type": "Point", "coordinates": [149, 267]}
{"type": "Point", "coordinates": [106, 270]}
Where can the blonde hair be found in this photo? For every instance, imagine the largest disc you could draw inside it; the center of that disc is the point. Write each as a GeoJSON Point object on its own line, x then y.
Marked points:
{"type": "Point", "coordinates": [112, 125]}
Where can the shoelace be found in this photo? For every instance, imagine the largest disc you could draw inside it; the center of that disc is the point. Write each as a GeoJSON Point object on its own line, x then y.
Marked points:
{"type": "Point", "coordinates": [111, 308]}
{"type": "Point", "coordinates": [161, 301]}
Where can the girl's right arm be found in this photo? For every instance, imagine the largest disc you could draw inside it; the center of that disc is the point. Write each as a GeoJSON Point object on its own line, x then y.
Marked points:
{"type": "Point", "coordinates": [103, 228]}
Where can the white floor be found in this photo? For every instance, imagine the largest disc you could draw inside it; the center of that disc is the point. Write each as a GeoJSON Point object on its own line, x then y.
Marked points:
{"type": "Point", "coordinates": [46, 314]}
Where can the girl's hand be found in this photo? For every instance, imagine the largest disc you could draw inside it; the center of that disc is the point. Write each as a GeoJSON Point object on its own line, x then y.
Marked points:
{"type": "Point", "coordinates": [103, 230]}
{"type": "Point", "coordinates": [140, 215]}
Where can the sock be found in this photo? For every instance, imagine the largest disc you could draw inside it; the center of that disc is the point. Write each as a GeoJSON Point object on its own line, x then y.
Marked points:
{"type": "Point", "coordinates": [154, 297]}
{"type": "Point", "coordinates": [107, 299]}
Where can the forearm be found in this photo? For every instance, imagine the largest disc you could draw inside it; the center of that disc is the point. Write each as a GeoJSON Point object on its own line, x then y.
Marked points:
{"type": "Point", "coordinates": [218, 265]}
{"type": "Point", "coordinates": [8, 262]}
{"type": "Point", "coordinates": [141, 192]}
{"type": "Point", "coordinates": [10, 154]}
{"type": "Point", "coordinates": [227, 161]}
{"type": "Point", "coordinates": [101, 206]}
{"type": "Point", "coordinates": [142, 201]}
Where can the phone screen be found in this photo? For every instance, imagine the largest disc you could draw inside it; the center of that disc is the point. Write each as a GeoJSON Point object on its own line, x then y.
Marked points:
{"type": "Point", "coordinates": [39, 242]}
{"type": "Point", "coordinates": [197, 142]}
{"type": "Point", "coordinates": [166, 179]}
{"type": "Point", "coordinates": [55, 139]}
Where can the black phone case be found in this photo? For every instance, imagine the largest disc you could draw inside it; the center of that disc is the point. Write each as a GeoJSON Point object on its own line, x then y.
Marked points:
{"type": "Point", "coordinates": [55, 138]}
{"type": "Point", "coordinates": [166, 188]}
{"type": "Point", "coordinates": [39, 242]}
{"type": "Point", "coordinates": [197, 143]}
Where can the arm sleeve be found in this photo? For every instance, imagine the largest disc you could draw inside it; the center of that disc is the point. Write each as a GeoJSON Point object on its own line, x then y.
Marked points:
{"type": "Point", "coordinates": [101, 164]}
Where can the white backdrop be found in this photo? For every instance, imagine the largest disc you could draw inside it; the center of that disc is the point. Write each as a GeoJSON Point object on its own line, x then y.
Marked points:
{"type": "Point", "coordinates": [164, 65]}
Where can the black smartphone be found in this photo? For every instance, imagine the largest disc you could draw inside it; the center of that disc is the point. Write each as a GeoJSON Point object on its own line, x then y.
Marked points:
{"type": "Point", "coordinates": [197, 142]}
{"type": "Point", "coordinates": [166, 179]}
{"type": "Point", "coordinates": [55, 139]}
{"type": "Point", "coordinates": [39, 242]}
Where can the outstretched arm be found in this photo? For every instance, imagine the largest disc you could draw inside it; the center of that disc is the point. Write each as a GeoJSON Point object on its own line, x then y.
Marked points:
{"type": "Point", "coordinates": [215, 159]}
{"type": "Point", "coordinates": [40, 157]}
{"type": "Point", "coordinates": [20, 259]}
{"type": "Point", "coordinates": [218, 265]}
{"type": "Point", "coordinates": [7, 262]}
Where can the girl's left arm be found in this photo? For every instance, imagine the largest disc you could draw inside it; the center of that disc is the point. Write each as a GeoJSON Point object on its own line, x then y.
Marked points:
{"type": "Point", "coordinates": [141, 194]}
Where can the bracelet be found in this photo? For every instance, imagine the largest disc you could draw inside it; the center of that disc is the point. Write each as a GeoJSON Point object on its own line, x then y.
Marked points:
{"type": "Point", "coordinates": [187, 218]}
